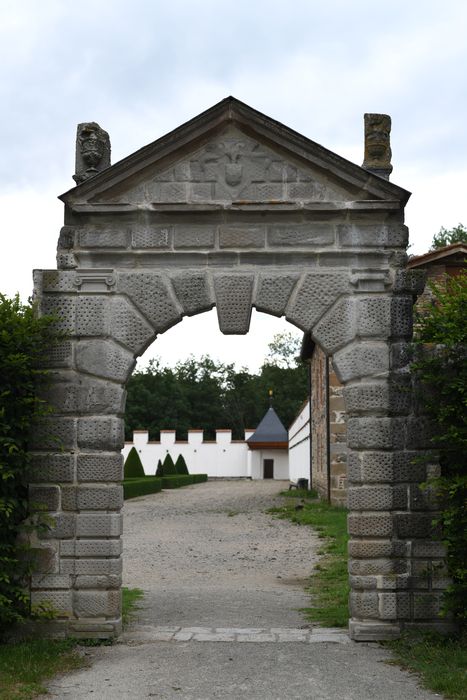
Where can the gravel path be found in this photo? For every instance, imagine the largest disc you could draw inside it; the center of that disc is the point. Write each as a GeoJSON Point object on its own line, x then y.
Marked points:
{"type": "Point", "coordinates": [208, 555]}
{"type": "Point", "coordinates": [213, 564]}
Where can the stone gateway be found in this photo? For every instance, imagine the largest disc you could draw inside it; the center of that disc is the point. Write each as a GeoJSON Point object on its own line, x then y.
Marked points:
{"type": "Point", "coordinates": [232, 210]}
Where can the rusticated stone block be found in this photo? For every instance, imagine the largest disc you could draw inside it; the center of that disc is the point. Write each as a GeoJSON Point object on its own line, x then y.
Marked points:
{"type": "Point", "coordinates": [51, 468]}
{"type": "Point", "coordinates": [233, 302]}
{"type": "Point", "coordinates": [401, 355]}
{"type": "Point", "coordinates": [92, 314]}
{"type": "Point", "coordinates": [151, 293]}
{"type": "Point", "coordinates": [426, 606]}
{"type": "Point", "coordinates": [377, 498]}
{"type": "Point", "coordinates": [422, 498]}
{"type": "Point", "coordinates": [96, 603]}
{"type": "Point", "coordinates": [401, 316]}
{"type": "Point", "coordinates": [74, 393]}
{"type": "Point", "coordinates": [193, 236]}
{"type": "Point", "coordinates": [53, 434]}
{"type": "Point", "coordinates": [428, 549]}
{"type": "Point", "coordinates": [375, 549]}
{"type": "Point", "coordinates": [337, 327]}
{"type": "Point", "coordinates": [375, 433]}
{"type": "Point", "coordinates": [274, 292]}
{"type": "Point", "coordinates": [98, 582]}
{"type": "Point", "coordinates": [374, 317]}
{"type": "Point", "coordinates": [60, 355]}
{"type": "Point", "coordinates": [394, 606]}
{"type": "Point", "coordinates": [361, 360]}
{"type": "Point", "coordinates": [44, 498]}
{"type": "Point", "coordinates": [104, 238]}
{"type": "Point", "coordinates": [151, 236]}
{"type": "Point", "coordinates": [315, 294]}
{"type": "Point", "coordinates": [99, 525]}
{"type": "Point", "coordinates": [193, 292]}
{"type": "Point", "coordinates": [364, 604]}
{"type": "Point", "coordinates": [59, 601]}
{"type": "Point", "coordinates": [411, 281]}
{"type": "Point", "coordinates": [373, 467]}
{"type": "Point", "coordinates": [67, 238]}
{"type": "Point", "coordinates": [56, 280]}
{"type": "Point", "coordinates": [100, 467]}
{"type": "Point", "coordinates": [369, 631]}
{"type": "Point", "coordinates": [63, 309]}
{"type": "Point", "coordinates": [413, 525]}
{"type": "Point", "coordinates": [66, 261]}
{"type": "Point", "coordinates": [392, 396]}
{"type": "Point", "coordinates": [91, 548]}
{"type": "Point", "coordinates": [377, 567]}
{"type": "Point", "coordinates": [241, 236]}
{"type": "Point", "coordinates": [128, 327]}
{"type": "Point", "coordinates": [362, 583]}
{"type": "Point", "coordinates": [104, 358]}
{"type": "Point", "coordinates": [92, 498]}
{"type": "Point", "coordinates": [54, 581]}
{"type": "Point", "coordinates": [377, 236]}
{"type": "Point", "coordinates": [100, 433]}
{"type": "Point", "coordinates": [366, 525]}
{"type": "Point", "coordinates": [92, 567]}
{"type": "Point", "coordinates": [300, 235]}
{"type": "Point", "coordinates": [44, 558]}
{"type": "Point", "coordinates": [63, 527]}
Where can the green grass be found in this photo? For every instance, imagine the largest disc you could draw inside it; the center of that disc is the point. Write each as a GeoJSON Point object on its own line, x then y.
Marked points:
{"type": "Point", "coordinates": [25, 666]}
{"type": "Point", "coordinates": [130, 598]}
{"type": "Point", "coordinates": [441, 662]}
{"type": "Point", "coordinates": [329, 588]}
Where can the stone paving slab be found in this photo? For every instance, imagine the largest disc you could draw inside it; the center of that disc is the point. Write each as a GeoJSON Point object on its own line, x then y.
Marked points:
{"type": "Point", "coordinates": [149, 633]}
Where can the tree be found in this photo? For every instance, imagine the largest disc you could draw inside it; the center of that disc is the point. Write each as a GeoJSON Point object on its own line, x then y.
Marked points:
{"type": "Point", "coordinates": [445, 237]}
{"type": "Point", "coordinates": [24, 341]}
{"type": "Point", "coordinates": [180, 465]}
{"type": "Point", "coordinates": [168, 467]}
{"type": "Point", "coordinates": [441, 370]}
{"type": "Point", "coordinates": [284, 350]}
{"type": "Point", "coordinates": [133, 467]}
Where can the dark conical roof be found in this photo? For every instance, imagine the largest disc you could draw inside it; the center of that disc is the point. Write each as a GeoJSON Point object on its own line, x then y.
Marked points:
{"type": "Point", "coordinates": [270, 429]}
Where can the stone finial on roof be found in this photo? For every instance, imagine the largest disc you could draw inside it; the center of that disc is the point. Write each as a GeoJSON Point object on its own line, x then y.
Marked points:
{"type": "Point", "coordinates": [92, 151]}
{"type": "Point", "coordinates": [378, 145]}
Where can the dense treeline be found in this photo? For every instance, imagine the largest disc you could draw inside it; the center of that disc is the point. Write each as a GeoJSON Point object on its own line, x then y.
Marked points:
{"type": "Point", "coordinates": [208, 394]}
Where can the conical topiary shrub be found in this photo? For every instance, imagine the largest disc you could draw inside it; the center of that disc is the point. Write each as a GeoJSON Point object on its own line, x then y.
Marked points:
{"type": "Point", "coordinates": [168, 467]}
{"type": "Point", "coordinates": [133, 467]}
{"type": "Point", "coordinates": [180, 465]}
{"type": "Point", "coordinates": [160, 469]}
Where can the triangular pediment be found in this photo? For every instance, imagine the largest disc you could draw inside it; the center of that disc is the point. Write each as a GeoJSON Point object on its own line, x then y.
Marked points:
{"type": "Point", "coordinates": [231, 154]}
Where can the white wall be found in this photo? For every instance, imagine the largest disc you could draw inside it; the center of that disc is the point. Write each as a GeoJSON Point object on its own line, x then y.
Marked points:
{"type": "Point", "coordinates": [299, 445]}
{"type": "Point", "coordinates": [222, 457]}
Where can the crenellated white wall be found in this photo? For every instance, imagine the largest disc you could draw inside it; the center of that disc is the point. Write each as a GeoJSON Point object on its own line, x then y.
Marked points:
{"type": "Point", "coordinates": [299, 445]}
{"type": "Point", "coordinates": [222, 457]}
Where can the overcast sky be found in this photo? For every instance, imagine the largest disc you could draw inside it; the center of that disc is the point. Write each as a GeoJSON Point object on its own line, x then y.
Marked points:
{"type": "Point", "coordinates": [143, 67]}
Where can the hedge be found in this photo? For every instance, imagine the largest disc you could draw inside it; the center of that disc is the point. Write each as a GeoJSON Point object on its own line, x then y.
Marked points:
{"type": "Point", "coordinates": [133, 468]}
{"type": "Point", "coordinates": [181, 466]}
{"type": "Point", "coordinates": [154, 484]}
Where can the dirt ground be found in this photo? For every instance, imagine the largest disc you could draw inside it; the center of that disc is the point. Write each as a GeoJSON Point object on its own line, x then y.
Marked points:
{"type": "Point", "coordinates": [209, 555]}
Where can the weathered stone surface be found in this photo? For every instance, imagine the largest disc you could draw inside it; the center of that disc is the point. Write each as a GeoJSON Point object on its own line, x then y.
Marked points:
{"type": "Point", "coordinates": [91, 548]}
{"type": "Point", "coordinates": [60, 355]}
{"type": "Point", "coordinates": [103, 581]}
{"type": "Point", "coordinates": [44, 498]}
{"type": "Point", "coordinates": [100, 433]}
{"type": "Point", "coordinates": [92, 314]}
{"type": "Point", "coordinates": [377, 498]}
{"type": "Point", "coordinates": [377, 567]}
{"type": "Point", "coordinates": [129, 327]}
{"type": "Point", "coordinates": [92, 151]}
{"type": "Point", "coordinates": [99, 467]}
{"type": "Point", "coordinates": [374, 236]}
{"type": "Point", "coordinates": [58, 600]}
{"type": "Point", "coordinates": [337, 327]}
{"type": "Point", "coordinates": [201, 236]}
{"type": "Point", "coordinates": [393, 396]}
{"type": "Point", "coordinates": [104, 238]}
{"type": "Point", "coordinates": [92, 498]}
{"type": "Point", "coordinates": [316, 292]}
{"type": "Point", "coordinates": [55, 281]}
{"type": "Point", "coordinates": [413, 525]}
{"type": "Point", "coordinates": [300, 235]}
{"type": "Point", "coordinates": [394, 606]}
{"type": "Point", "coordinates": [51, 581]}
{"type": "Point", "coordinates": [62, 527]}
{"type": "Point", "coordinates": [377, 467]}
{"type": "Point", "coordinates": [99, 525]}
{"type": "Point", "coordinates": [368, 525]}
{"type": "Point", "coordinates": [364, 605]}
{"type": "Point", "coordinates": [410, 281]}
{"type": "Point", "coordinates": [74, 393]}
{"type": "Point", "coordinates": [96, 603]}
{"type": "Point", "coordinates": [104, 358]}
{"type": "Point", "coordinates": [375, 433]}
{"type": "Point", "coordinates": [361, 359]}
{"type": "Point", "coordinates": [426, 606]}
{"type": "Point", "coordinates": [233, 302]}
{"type": "Point", "coordinates": [53, 433]}
{"type": "Point", "coordinates": [152, 295]}
{"type": "Point", "coordinates": [273, 292]}
{"type": "Point", "coordinates": [378, 145]}
{"type": "Point", "coordinates": [241, 236]}
{"type": "Point", "coordinates": [52, 468]}
{"type": "Point", "coordinates": [193, 291]}
{"type": "Point", "coordinates": [94, 567]}
{"type": "Point", "coordinates": [151, 236]}
{"type": "Point", "coordinates": [62, 309]}
{"type": "Point", "coordinates": [375, 549]}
